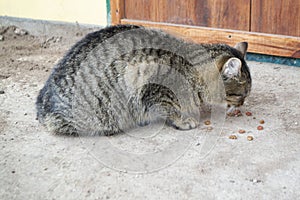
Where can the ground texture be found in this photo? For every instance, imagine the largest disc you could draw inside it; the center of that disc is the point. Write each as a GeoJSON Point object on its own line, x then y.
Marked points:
{"type": "Point", "coordinates": [208, 165]}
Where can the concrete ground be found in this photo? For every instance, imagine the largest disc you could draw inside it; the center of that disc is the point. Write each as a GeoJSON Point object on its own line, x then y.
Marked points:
{"type": "Point", "coordinates": [152, 162]}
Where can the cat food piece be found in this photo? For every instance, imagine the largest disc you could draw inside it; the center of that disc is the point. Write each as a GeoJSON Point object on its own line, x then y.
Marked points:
{"type": "Point", "coordinates": [233, 137]}
{"type": "Point", "coordinates": [236, 113]}
{"type": "Point", "coordinates": [260, 128]}
{"type": "Point", "coordinates": [230, 114]}
{"type": "Point", "coordinates": [250, 138]}
{"type": "Point", "coordinates": [262, 121]}
{"type": "Point", "coordinates": [248, 113]}
{"type": "Point", "coordinates": [207, 122]}
{"type": "Point", "coordinates": [242, 131]}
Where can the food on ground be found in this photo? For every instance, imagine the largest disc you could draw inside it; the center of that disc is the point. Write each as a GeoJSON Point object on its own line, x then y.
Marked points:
{"type": "Point", "coordinates": [233, 137]}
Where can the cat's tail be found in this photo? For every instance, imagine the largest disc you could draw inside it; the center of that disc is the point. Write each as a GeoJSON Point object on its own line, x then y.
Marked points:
{"type": "Point", "coordinates": [42, 104]}
{"type": "Point", "coordinates": [53, 113]}
{"type": "Point", "coordinates": [57, 124]}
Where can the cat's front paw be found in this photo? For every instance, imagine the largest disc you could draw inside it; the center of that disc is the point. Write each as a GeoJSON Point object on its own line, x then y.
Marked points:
{"type": "Point", "coordinates": [186, 124]}
{"type": "Point", "coordinates": [189, 123]}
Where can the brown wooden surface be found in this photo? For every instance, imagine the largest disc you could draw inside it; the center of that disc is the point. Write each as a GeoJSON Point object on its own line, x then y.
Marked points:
{"type": "Point", "coordinates": [258, 42]}
{"type": "Point", "coordinates": [276, 17]}
{"type": "Point", "coordinates": [230, 14]}
{"type": "Point", "coordinates": [117, 11]}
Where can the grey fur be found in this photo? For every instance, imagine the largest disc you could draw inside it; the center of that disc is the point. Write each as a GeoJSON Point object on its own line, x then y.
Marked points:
{"type": "Point", "coordinates": [112, 80]}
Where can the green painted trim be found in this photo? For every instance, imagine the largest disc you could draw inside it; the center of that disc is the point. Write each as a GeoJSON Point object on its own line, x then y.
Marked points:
{"type": "Point", "coordinates": [273, 59]}
{"type": "Point", "coordinates": [108, 12]}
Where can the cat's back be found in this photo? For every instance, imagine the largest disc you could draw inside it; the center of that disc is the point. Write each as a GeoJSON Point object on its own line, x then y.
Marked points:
{"type": "Point", "coordinates": [67, 67]}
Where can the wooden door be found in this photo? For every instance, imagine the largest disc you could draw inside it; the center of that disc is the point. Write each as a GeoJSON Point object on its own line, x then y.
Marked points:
{"type": "Point", "coordinates": [268, 28]}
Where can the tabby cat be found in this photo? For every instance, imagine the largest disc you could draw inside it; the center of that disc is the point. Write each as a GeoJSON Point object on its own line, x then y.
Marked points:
{"type": "Point", "coordinates": [116, 78]}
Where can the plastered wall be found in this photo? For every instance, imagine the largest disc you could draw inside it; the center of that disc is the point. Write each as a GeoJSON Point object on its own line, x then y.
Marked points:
{"type": "Point", "coordinates": [82, 11]}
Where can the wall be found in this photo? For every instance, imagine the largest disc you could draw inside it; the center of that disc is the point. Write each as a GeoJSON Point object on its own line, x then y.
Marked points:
{"type": "Point", "coordinates": [84, 12]}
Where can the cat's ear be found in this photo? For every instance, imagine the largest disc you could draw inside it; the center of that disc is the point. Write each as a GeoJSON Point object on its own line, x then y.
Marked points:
{"type": "Point", "coordinates": [232, 68]}
{"type": "Point", "coordinates": [242, 47]}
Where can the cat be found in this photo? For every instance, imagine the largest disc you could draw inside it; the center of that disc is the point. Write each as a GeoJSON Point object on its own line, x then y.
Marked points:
{"type": "Point", "coordinates": [114, 79]}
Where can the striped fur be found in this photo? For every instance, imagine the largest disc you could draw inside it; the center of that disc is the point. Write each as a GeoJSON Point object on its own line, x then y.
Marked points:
{"type": "Point", "coordinates": [113, 79]}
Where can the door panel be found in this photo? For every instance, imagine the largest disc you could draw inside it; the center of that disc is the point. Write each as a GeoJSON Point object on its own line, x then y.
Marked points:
{"type": "Point", "coordinates": [270, 27]}
{"type": "Point", "coordinates": [229, 14]}
{"type": "Point", "coordinates": [276, 17]}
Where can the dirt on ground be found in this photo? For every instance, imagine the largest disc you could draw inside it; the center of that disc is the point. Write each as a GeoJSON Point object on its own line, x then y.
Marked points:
{"type": "Point", "coordinates": [214, 161]}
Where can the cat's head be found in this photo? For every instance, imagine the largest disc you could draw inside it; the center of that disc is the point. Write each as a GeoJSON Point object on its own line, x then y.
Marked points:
{"type": "Point", "coordinates": [236, 76]}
